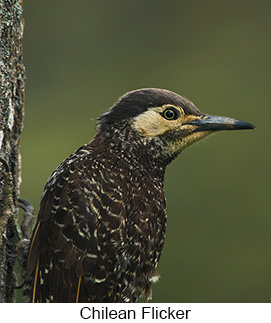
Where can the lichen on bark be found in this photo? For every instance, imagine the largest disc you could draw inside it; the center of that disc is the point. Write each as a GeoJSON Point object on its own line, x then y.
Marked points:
{"type": "Point", "coordinates": [12, 86]}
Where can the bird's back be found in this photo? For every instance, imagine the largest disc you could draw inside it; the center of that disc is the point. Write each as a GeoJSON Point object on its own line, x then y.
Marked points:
{"type": "Point", "coordinates": [99, 233]}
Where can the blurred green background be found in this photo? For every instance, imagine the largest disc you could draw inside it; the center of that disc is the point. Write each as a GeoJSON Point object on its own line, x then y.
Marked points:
{"type": "Point", "coordinates": [81, 55]}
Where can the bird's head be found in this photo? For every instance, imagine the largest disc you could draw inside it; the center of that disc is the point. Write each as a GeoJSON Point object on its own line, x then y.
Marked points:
{"type": "Point", "coordinates": [163, 119]}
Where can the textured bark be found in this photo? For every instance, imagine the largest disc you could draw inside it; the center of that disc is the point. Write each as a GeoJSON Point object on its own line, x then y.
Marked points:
{"type": "Point", "coordinates": [11, 122]}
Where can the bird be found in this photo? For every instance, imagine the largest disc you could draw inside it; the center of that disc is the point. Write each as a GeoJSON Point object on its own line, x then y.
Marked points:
{"type": "Point", "coordinates": [101, 225]}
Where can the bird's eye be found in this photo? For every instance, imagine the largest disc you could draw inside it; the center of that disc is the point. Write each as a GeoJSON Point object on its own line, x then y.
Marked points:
{"type": "Point", "coordinates": [171, 113]}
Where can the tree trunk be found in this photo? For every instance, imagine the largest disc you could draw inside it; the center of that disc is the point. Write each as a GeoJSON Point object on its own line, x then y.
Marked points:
{"type": "Point", "coordinates": [11, 124]}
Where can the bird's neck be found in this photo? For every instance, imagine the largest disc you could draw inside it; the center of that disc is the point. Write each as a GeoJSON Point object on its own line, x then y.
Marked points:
{"type": "Point", "coordinates": [125, 146]}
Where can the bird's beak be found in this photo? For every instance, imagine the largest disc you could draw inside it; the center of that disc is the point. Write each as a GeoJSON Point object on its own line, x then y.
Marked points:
{"type": "Point", "coordinates": [217, 123]}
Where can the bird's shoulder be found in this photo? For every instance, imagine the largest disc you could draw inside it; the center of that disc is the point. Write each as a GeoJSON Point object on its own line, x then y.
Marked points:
{"type": "Point", "coordinates": [94, 178]}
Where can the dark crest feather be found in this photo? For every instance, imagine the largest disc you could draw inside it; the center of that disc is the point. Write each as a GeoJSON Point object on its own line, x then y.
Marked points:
{"type": "Point", "coordinates": [136, 102]}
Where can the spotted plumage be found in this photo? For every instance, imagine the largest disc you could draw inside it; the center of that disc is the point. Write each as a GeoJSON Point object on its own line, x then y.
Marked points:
{"type": "Point", "coordinates": [102, 219]}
